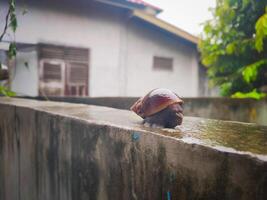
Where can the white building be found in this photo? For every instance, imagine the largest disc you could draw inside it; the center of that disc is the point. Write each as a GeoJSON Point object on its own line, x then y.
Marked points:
{"type": "Point", "coordinates": [101, 48]}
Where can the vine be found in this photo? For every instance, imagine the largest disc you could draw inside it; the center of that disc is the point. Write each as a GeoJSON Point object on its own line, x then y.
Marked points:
{"type": "Point", "coordinates": [10, 22]}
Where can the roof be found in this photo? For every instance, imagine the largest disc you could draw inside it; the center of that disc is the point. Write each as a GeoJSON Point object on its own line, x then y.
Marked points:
{"type": "Point", "coordinates": [165, 26]}
{"type": "Point", "coordinates": [133, 4]}
{"type": "Point", "coordinates": [138, 9]}
{"type": "Point", "coordinates": [141, 2]}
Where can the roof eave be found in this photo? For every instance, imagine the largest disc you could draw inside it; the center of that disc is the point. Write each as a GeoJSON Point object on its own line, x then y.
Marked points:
{"type": "Point", "coordinates": [165, 26]}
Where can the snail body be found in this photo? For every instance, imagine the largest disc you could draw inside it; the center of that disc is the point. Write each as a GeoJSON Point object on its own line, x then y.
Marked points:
{"type": "Point", "coordinates": [160, 107]}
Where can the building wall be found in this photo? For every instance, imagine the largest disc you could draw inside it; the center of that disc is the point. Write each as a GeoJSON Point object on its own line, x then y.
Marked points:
{"type": "Point", "coordinates": [121, 49]}
{"type": "Point", "coordinates": [83, 26]}
{"type": "Point", "coordinates": [25, 74]}
{"type": "Point", "coordinates": [143, 44]}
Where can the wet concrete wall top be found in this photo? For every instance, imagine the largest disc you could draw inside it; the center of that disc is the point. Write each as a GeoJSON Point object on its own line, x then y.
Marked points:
{"type": "Point", "coordinates": [243, 110]}
{"type": "Point", "coordinates": [76, 151]}
{"type": "Point", "coordinates": [245, 137]}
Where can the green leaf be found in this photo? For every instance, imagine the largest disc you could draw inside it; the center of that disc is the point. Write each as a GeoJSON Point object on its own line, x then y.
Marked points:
{"type": "Point", "coordinates": [225, 88]}
{"type": "Point", "coordinates": [13, 22]}
{"type": "Point", "coordinates": [261, 32]}
{"type": "Point", "coordinates": [207, 28]}
{"type": "Point", "coordinates": [253, 94]}
{"type": "Point", "coordinates": [3, 91]}
{"type": "Point", "coordinates": [250, 72]}
{"type": "Point", "coordinates": [10, 93]}
{"type": "Point", "coordinates": [6, 92]}
{"type": "Point", "coordinates": [230, 48]}
{"type": "Point", "coordinates": [12, 51]}
{"type": "Point", "coordinates": [245, 4]}
{"type": "Point", "coordinates": [13, 19]}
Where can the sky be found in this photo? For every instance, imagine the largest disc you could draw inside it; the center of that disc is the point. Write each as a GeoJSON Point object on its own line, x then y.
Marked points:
{"type": "Point", "coordinates": [185, 14]}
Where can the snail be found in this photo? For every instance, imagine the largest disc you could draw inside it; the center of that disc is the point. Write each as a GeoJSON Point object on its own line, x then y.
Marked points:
{"type": "Point", "coordinates": [160, 107]}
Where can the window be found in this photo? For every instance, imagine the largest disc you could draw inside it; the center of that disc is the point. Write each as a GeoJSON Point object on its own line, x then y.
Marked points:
{"type": "Point", "coordinates": [52, 71]}
{"type": "Point", "coordinates": [63, 71]}
{"type": "Point", "coordinates": [162, 63]}
{"type": "Point", "coordinates": [77, 77]}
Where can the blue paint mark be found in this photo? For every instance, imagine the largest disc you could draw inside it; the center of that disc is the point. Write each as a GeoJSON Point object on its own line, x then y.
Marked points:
{"type": "Point", "coordinates": [169, 195]}
{"type": "Point", "coordinates": [135, 136]}
{"type": "Point", "coordinates": [172, 177]}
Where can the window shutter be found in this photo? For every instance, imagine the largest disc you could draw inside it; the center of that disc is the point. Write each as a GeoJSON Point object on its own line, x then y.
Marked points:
{"type": "Point", "coordinates": [64, 53]}
{"type": "Point", "coordinates": [161, 63]}
{"type": "Point", "coordinates": [52, 72]}
{"type": "Point", "coordinates": [76, 55]}
{"type": "Point", "coordinates": [48, 52]}
{"type": "Point", "coordinates": [52, 77]}
{"type": "Point", "coordinates": [77, 73]}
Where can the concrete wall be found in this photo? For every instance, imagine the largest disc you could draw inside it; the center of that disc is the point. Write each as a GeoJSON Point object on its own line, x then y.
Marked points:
{"type": "Point", "coordinates": [67, 151]}
{"type": "Point", "coordinates": [121, 49]}
{"type": "Point", "coordinates": [243, 110]}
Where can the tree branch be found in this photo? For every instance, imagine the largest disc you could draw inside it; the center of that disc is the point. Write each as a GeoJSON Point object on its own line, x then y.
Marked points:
{"type": "Point", "coordinates": [6, 25]}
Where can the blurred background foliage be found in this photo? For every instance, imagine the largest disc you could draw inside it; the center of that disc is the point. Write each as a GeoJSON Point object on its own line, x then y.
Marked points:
{"type": "Point", "coordinates": [10, 22]}
{"type": "Point", "coordinates": [233, 47]}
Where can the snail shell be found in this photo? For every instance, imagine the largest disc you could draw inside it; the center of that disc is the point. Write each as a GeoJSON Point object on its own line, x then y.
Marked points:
{"type": "Point", "coordinates": [156, 101]}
